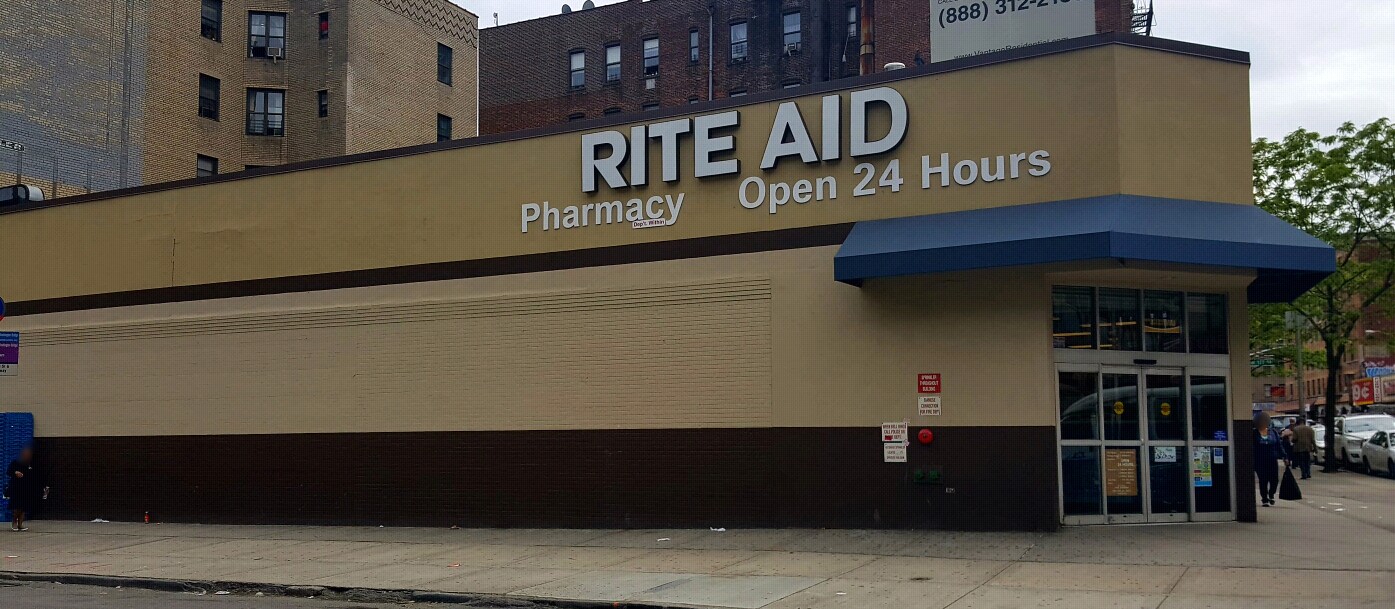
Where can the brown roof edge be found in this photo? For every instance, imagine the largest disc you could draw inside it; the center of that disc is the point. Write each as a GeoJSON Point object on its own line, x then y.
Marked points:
{"type": "Point", "coordinates": [1050, 48]}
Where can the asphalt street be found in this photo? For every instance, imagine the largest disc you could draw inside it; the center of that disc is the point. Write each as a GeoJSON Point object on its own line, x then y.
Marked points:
{"type": "Point", "coordinates": [36, 595]}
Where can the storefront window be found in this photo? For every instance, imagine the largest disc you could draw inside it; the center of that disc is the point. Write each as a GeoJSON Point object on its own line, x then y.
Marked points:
{"type": "Point", "coordinates": [1162, 322]}
{"type": "Point", "coordinates": [1211, 478]}
{"type": "Point", "coordinates": [1165, 414]}
{"type": "Point", "coordinates": [1080, 474]}
{"type": "Point", "coordinates": [1118, 319]}
{"type": "Point", "coordinates": [1169, 478]}
{"type": "Point", "coordinates": [1080, 406]}
{"type": "Point", "coordinates": [1206, 321]}
{"type": "Point", "coordinates": [1073, 318]}
{"type": "Point", "coordinates": [1209, 408]}
{"type": "Point", "coordinates": [1120, 406]}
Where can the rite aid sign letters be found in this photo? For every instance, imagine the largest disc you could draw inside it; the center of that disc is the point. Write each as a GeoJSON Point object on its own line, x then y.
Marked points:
{"type": "Point", "coordinates": [619, 169]}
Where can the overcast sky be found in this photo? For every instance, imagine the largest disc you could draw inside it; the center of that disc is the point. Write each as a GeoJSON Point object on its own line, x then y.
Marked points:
{"type": "Point", "coordinates": [1317, 63]}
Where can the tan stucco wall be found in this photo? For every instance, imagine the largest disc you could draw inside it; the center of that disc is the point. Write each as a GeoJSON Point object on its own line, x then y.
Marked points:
{"type": "Point", "coordinates": [750, 340]}
{"type": "Point", "coordinates": [1112, 118]}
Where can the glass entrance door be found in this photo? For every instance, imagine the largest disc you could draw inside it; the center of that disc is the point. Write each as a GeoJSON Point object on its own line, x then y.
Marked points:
{"type": "Point", "coordinates": [1131, 444]}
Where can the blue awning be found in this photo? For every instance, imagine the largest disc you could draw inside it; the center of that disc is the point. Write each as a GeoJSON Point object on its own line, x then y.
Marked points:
{"type": "Point", "coordinates": [1288, 261]}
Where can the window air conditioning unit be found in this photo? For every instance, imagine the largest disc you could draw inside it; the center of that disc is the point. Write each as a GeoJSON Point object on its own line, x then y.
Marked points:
{"type": "Point", "coordinates": [276, 52]}
{"type": "Point", "coordinates": [791, 48]}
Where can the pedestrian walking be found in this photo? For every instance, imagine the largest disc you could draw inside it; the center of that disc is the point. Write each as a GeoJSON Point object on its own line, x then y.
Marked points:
{"type": "Point", "coordinates": [1304, 446]}
{"type": "Point", "coordinates": [23, 488]}
{"type": "Point", "coordinates": [1269, 449]}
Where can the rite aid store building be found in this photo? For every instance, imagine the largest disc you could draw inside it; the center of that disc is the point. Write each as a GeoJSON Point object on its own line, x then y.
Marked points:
{"type": "Point", "coordinates": [1003, 292]}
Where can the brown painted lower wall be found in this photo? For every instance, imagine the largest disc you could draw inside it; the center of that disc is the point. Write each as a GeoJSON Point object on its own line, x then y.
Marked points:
{"type": "Point", "coordinates": [992, 478]}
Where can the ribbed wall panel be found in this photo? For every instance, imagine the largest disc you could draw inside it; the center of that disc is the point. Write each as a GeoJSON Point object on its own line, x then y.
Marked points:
{"type": "Point", "coordinates": [670, 356]}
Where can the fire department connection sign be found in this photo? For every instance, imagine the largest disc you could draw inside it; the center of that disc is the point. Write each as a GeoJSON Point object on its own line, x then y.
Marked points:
{"type": "Point", "coordinates": [964, 28]}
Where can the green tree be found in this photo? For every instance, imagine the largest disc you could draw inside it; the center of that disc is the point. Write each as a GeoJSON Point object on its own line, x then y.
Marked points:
{"type": "Point", "coordinates": [1341, 189]}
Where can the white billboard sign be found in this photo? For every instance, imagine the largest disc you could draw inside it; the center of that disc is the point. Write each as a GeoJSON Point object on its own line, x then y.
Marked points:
{"type": "Point", "coordinates": [964, 28]}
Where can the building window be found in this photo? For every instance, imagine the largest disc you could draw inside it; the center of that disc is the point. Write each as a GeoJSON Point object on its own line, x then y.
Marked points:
{"type": "Point", "coordinates": [1206, 324]}
{"type": "Point", "coordinates": [649, 106]}
{"type": "Point", "coordinates": [209, 92]}
{"type": "Point", "coordinates": [793, 34]}
{"type": "Point", "coordinates": [612, 62]}
{"type": "Point", "coordinates": [266, 112]}
{"type": "Point", "coordinates": [576, 116]}
{"type": "Point", "coordinates": [443, 124]}
{"type": "Point", "coordinates": [738, 41]}
{"type": "Point", "coordinates": [445, 62]}
{"type": "Point", "coordinates": [205, 166]}
{"type": "Point", "coordinates": [854, 26]}
{"type": "Point", "coordinates": [322, 103]}
{"type": "Point", "coordinates": [324, 26]}
{"type": "Point", "coordinates": [578, 67]}
{"type": "Point", "coordinates": [651, 56]}
{"type": "Point", "coordinates": [693, 53]}
{"type": "Point", "coordinates": [211, 21]}
{"type": "Point", "coordinates": [266, 34]}
{"type": "Point", "coordinates": [1114, 319]}
{"type": "Point", "coordinates": [736, 93]}
{"type": "Point", "coordinates": [610, 111]}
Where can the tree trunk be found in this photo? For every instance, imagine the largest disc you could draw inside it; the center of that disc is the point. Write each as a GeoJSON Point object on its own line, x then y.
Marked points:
{"type": "Point", "coordinates": [1329, 413]}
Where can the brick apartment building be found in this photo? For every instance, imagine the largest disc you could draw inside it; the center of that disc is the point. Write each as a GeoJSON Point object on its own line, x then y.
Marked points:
{"type": "Point", "coordinates": [640, 55]}
{"type": "Point", "coordinates": [108, 94]}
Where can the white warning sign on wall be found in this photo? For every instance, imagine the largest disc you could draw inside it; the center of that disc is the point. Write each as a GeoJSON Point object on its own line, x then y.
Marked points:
{"type": "Point", "coordinates": [894, 453]}
{"type": "Point", "coordinates": [896, 432]}
{"type": "Point", "coordinates": [928, 405]}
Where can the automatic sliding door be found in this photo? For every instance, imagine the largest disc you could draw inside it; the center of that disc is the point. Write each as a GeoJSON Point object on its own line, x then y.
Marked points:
{"type": "Point", "coordinates": [1123, 480]}
{"type": "Point", "coordinates": [1169, 477]}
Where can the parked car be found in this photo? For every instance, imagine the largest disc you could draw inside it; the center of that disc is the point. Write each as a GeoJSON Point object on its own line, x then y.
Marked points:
{"type": "Point", "coordinates": [1320, 434]}
{"type": "Point", "coordinates": [1378, 455]}
{"type": "Point", "coordinates": [1353, 430]}
{"type": "Point", "coordinates": [1279, 422]}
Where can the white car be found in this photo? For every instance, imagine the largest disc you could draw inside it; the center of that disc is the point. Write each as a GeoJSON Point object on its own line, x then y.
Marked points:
{"type": "Point", "coordinates": [1378, 453]}
{"type": "Point", "coordinates": [1320, 435]}
{"type": "Point", "coordinates": [1353, 430]}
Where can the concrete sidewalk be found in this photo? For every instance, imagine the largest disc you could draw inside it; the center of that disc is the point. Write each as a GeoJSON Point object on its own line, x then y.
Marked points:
{"type": "Point", "coordinates": [1302, 553]}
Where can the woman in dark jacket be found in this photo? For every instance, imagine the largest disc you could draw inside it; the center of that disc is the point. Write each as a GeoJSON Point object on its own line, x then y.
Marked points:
{"type": "Point", "coordinates": [1269, 449]}
{"type": "Point", "coordinates": [22, 487]}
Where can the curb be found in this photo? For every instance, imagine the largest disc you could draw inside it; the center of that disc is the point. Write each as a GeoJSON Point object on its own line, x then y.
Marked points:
{"type": "Point", "coordinates": [379, 595]}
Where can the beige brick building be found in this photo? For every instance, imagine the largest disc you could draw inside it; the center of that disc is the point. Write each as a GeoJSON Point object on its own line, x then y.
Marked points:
{"type": "Point", "coordinates": [108, 94]}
